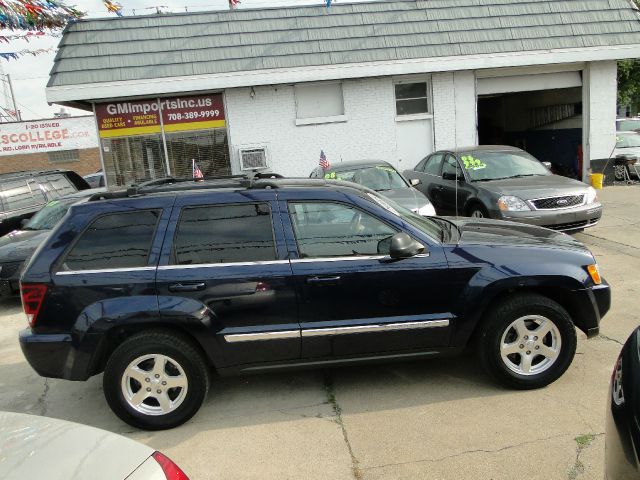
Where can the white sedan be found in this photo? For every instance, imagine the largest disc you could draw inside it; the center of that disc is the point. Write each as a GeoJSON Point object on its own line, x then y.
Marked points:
{"type": "Point", "coordinates": [33, 447]}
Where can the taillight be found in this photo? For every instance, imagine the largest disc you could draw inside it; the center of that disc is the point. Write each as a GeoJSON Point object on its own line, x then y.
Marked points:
{"type": "Point", "coordinates": [32, 295]}
{"type": "Point", "coordinates": [170, 469]}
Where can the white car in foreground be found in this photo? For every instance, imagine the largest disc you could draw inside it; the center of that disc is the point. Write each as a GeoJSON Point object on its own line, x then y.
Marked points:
{"type": "Point", "coordinates": [33, 447]}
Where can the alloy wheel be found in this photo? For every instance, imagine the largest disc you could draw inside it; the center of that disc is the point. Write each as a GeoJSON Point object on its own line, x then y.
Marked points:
{"type": "Point", "coordinates": [154, 384]}
{"type": "Point", "coordinates": [530, 345]}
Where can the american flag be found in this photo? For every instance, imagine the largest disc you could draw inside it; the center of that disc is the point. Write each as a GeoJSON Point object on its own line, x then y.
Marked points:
{"type": "Point", "coordinates": [233, 4]}
{"type": "Point", "coordinates": [324, 163]}
{"type": "Point", "coordinates": [197, 173]}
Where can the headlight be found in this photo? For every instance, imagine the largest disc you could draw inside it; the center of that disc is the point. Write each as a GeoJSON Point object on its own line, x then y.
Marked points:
{"type": "Point", "coordinates": [509, 203]}
{"type": "Point", "coordinates": [592, 195]}
{"type": "Point", "coordinates": [426, 210]}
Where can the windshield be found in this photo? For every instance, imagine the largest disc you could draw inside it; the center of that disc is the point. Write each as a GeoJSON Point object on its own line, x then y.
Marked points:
{"type": "Point", "coordinates": [48, 216]}
{"type": "Point", "coordinates": [379, 178]}
{"type": "Point", "coordinates": [627, 140]}
{"type": "Point", "coordinates": [424, 224]}
{"type": "Point", "coordinates": [628, 125]}
{"type": "Point", "coordinates": [483, 166]}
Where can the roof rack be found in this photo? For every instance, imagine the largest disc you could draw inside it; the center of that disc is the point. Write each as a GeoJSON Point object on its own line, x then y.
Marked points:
{"type": "Point", "coordinates": [253, 180]}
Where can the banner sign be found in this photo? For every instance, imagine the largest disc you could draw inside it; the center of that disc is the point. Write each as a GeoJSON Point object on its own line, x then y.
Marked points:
{"type": "Point", "coordinates": [69, 133]}
{"type": "Point", "coordinates": [121, 119]}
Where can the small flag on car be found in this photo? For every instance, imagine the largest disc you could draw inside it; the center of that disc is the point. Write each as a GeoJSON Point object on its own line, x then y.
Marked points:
{"type": "Point", "coordinates": [197, 173]}
{"type": "Point", "coordinates": [233, 4]}
{"type": "Point", "coordinates": [324, 163]}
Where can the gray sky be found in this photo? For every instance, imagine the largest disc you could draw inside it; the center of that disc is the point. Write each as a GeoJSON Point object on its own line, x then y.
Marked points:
{"type": "Point", "coordinates": [30, 74]}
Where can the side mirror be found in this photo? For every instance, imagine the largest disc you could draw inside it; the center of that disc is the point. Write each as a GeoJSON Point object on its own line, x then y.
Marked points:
{"type": "Point", "coordinates": [414, 182]}
{"type": "Point", "coordinates": [403, 246]}
{"type": "Point", "coordinates": [452, 176]}
{"type": "Point", "coordinates": [547, 164]}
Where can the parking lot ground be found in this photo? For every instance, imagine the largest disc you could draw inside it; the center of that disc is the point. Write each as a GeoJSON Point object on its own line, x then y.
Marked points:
{"type": "Point", "coordinates": [437, 419]}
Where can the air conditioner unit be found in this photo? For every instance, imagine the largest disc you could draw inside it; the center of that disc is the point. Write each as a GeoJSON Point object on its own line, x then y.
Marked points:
{"type": "Point", "coordinates": [253, 158]}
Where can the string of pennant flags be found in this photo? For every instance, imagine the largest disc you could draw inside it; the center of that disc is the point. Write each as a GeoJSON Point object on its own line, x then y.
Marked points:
{"type": "Point", "coordinates": [117, 8]}
{"type": "Point", "coordinates": [21, 53]}
{"type": "Point", "coordinates": [28, 36]}
{"type": "Point", "coordinates": [36, 15]}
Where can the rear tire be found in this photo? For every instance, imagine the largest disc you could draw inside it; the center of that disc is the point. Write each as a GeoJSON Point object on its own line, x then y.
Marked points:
{"type": "Point", "coordinates": [527, 341]}
{"type": "Point", "coordinates": [156, 380]}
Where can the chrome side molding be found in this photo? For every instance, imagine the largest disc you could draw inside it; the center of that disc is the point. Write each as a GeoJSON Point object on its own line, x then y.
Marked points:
{"type": "Point", "coordinates": [319, 332]}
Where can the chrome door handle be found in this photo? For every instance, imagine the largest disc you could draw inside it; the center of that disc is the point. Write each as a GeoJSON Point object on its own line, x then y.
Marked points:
{"type": "Point", "coordinates": [323, 280]}
{"type": "Point", "coordinates": [186, 287]}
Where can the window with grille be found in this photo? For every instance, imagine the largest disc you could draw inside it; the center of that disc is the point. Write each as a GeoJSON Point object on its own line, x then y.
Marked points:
{"type": "Point", "coordinates": [130, 160]}
{"type": "Point", "coordinates": [208, 148]}
{"type": "Point", "coordinates": [64, 156]}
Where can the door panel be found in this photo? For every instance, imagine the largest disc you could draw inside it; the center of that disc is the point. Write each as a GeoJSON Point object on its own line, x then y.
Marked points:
{"type": "Point", "coordinates": [362, 303]}
{"type": "Point", "coordinates": [220, 256]}
{"type": "Point", "coordinates": [451, 189]}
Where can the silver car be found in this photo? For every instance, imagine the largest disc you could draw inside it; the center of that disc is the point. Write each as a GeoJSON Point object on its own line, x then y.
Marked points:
{"type": "Point", "coordinates": [33, 447]}
{"type": "Point", "coordinates": [505, 183]}
{"type": "Point", "coordinates": [383, 178]}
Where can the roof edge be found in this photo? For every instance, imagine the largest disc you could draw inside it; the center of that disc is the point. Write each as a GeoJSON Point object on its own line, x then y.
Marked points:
{"type": "Point", "coordinates": [194, 83]}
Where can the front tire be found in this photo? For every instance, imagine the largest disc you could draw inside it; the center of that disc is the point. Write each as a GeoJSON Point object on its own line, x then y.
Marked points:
{"type": "Point", "coordinates": [478, 211]}
{"type": "Point", "coordinates": [527, 341]}
{"type": "Point", "coordinates": [156, 380]}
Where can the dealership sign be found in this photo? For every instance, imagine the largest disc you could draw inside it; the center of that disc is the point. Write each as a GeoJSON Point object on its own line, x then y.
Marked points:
{"type": "Point", "coordinates": [118, 119]}
{"type": "Point", "coordinates": [41, 136]}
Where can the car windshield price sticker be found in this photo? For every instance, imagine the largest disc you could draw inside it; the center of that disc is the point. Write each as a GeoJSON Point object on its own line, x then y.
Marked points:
{"type": "Point", "coordinates": [143, 117]}
{"type": "Point", "coordinates": [471, 163]}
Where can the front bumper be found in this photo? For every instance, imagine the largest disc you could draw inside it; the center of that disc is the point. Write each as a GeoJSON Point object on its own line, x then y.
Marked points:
{"type": "Point", "coordinates": [589, 306]}
{"type": "Point", "coordinates": [564, 219]}
{"type": "Point", "coordinates": [59, 355]}
{"type": "Point", "coordinates": [10, 278]}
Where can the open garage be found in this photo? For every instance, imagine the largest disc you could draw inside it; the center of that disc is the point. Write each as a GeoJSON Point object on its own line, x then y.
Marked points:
{"type": "Point", "coordinates": [540, 113]}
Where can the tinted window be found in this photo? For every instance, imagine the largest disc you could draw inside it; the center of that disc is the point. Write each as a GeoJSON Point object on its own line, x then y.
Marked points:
{"type": "Point", "coordinates": [336, 230]}
{"type": "Point", "coordinates": [16, 194]}
{"type": "Point", "coordinates": [57, 185]}
{"type": "Point", "coordinates": [225, 234]}
{"type": "Point", "coordinates": [450, 165]}
{"type": "Point", "coordinates": [432, 166]}
{"type": "Point", "coordinates": [118, 240]}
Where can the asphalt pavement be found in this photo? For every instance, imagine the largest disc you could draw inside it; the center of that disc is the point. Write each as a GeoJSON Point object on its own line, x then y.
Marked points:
{"type": "Point", "coordinates": [436, 419]}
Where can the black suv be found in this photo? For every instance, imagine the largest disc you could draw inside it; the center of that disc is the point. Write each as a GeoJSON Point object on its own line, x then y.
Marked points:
{"type": "Point", "coordinates": [158, 285]}
{"type": "Point", "coordinates": [24, 193]}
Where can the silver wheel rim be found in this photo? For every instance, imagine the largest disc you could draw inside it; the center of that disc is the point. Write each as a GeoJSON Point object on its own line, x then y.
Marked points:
{"type": "Point", "coordinates": [477, 214]}
{"type": "Point", "coordinates": [530, 345]}
{"type": "Point", "coordinates": [616, 387]}
{"type": "Point", "coordinates": [154, 384]}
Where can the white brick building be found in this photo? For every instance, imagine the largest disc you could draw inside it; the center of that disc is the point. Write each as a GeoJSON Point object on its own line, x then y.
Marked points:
{"type": "Point", "coordinates": [393, 80]}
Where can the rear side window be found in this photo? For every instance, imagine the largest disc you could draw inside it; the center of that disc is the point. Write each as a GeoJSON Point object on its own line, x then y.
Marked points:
{"type": "Point", "coordinates": [17, 194]}
{"type": "Point", "coordinates": [117, 240]}
{"type": "Point", "coordinates": [57, 185]}
{"type": "Point", "coordinates": [432, 167]}
{"type": "Point", "coordinates": [224, 234]}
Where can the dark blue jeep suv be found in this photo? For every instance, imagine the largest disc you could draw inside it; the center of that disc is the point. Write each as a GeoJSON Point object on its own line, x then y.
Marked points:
{"type": "Point", "coordinates": [162, 284]}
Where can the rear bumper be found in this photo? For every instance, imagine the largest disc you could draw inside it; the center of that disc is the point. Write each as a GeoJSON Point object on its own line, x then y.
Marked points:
{"type": "Point", "coordinates": [560, 219]}
{"type": "Point", "coordinates": [59, 355]}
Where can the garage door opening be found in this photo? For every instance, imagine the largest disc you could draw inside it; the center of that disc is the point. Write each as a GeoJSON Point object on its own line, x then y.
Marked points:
{"type": "Point", "coordinates": [545, 123]}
